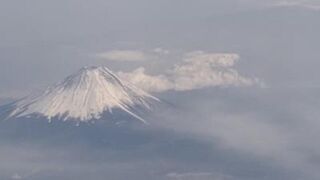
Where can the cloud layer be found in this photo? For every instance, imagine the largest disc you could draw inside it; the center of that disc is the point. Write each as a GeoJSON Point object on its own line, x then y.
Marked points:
{"type": "Point", "coordinates": [309, 4]}
{"type": "Point", "coordinates": [262, 123]}
{"type": "Point", "coordinates": [123, 55]}
{"type": "Point", "coordinates": [197, 70]}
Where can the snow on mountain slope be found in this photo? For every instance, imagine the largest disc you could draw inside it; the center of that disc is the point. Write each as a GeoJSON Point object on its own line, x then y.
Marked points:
{"type": "Point", "coordinates": [84, 96]}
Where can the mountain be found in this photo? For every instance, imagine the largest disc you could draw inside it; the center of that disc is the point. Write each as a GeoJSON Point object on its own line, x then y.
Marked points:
{"type": "Point", "coordinates": [84, 96]}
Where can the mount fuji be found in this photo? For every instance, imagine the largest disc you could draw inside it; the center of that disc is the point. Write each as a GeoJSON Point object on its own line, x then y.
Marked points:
{"type": "Point", "coordinates": [84, 96]}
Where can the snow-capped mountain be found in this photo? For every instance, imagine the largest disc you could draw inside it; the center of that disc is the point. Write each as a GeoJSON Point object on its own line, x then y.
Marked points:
{"type": "Point", "coordinates": [84, 96]}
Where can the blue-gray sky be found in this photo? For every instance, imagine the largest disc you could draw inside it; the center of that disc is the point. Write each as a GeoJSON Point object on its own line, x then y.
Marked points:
{"type": "Point", "coordinates": [43, 41]}
{"type": "Point", "coordinates": [264, 126]}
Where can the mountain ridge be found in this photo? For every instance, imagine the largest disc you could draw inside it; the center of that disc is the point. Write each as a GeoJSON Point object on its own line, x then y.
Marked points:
{"type": "Point", "coordinates": [84, 96]}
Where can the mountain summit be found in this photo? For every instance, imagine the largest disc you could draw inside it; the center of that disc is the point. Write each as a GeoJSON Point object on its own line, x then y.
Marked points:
{"type": "Point", "coordinates": [84, 96]}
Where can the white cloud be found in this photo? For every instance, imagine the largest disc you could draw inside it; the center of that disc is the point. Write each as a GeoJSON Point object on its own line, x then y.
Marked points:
{"type": "Point", "coordinates": [147, 82]}
{"type": "Point", "coordinates": [161, 51]}
{"type": "Point", "coordinates": [201, 69]}
{"type": "Point", "coordinates": [123, 55]}
{"type": "Point", "coordinates": [211, 59]}
{"type": "Point", "coordinates": [197, 70]}
{"type": "Point", "coordinates": [309, 4]}
{"type": "Point", "coordinates": [313, 5]}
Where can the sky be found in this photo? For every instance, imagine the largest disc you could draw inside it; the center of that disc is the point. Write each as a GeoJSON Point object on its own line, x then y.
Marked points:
{"type": "Point", "coordinates": [44, 41]}
{"type": "Point", "coordinates": [242, 75]}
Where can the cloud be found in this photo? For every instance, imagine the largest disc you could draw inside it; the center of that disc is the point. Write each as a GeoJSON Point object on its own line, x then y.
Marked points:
{"type": "Point", "coordinates": [198, 175]}
{"type": "Point", "coordinates": [161, 51]}
{"type": "Point", "coordinates": [16, 176]}
{"type": "Point", "coordinates": [123, 55]}
{"type": "Point", "coordinates": [309, 4]}
{"type": "Point", "coordinates": [306, 4]}
{"type": "Point", "coordinates": [197, 70]}
{"type": "Point", "coordinates": [200, 69]}
{"type": "Point", "coordinates": [213, 59]}
{"type": "Point", "coordinates": [265, 124]}
{"type": "Point", "coordinates": [147, 82]}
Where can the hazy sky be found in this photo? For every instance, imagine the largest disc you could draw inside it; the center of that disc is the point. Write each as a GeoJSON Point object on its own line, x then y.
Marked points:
{"type": "Point", "coordinates": [43, 41]}
{"type": "Point", "coordinates": [260, 120]}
